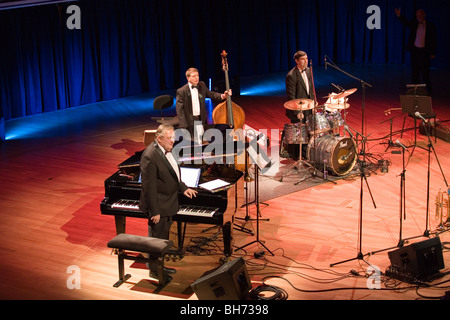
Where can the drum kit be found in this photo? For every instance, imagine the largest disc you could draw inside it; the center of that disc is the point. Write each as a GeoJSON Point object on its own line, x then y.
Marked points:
{"type": "Point", "coordinates": [328, 147]}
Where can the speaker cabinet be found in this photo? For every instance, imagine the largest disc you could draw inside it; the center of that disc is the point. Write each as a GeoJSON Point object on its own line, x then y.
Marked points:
{"type": "Point", "coordinates": [231, 281]}
{"type": "Point", "coordinates": [418, 260]}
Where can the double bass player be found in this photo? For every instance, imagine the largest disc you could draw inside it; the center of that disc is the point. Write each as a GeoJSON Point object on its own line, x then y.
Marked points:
{"type": "Point", "coordinates": [191, 106]}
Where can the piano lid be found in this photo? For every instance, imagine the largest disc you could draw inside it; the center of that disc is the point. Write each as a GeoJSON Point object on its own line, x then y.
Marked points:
{"type": "Point", "coordinates": [133, 161]}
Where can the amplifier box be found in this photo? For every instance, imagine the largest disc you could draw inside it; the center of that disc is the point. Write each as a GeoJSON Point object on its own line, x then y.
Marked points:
{"type": "Point", "coordinates": [418, 260]}
{"type": "Point", "coordinates": [439, 130]}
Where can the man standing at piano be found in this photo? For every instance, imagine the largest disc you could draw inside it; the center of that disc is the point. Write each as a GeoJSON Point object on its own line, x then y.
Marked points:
{"type": "Point", "coordinates": [160, 186]}
{"type": "Point", "coordinates": [191, 105]}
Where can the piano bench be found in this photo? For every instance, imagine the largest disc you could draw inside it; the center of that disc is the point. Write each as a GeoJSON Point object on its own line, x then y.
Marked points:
{"type": "Point", "coordinates": [147, 245]}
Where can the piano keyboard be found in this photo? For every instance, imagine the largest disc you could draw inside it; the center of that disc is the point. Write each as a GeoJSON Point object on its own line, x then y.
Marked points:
{"type": "Point", "coordinates": [197, 211]}
{"type": "Point", "coordinates": [125, 204]}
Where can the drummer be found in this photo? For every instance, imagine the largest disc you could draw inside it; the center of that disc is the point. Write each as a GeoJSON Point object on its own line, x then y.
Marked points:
{"type": "Point", "coordinates": [299, 85]}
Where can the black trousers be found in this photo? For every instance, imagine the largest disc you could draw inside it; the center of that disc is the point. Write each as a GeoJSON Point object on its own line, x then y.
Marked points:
{"type": "Point", "coordinates": [160, 230]}
{"type": "Point", "coordinates": [420, 67]}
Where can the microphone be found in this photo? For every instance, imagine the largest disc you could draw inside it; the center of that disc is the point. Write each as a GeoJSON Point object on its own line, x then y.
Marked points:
{"type": "Point", "coordinates": [401, 144]}
{"type": "Point", "coordinates": [325, 58]}
{"type": "Point", "coordinates": [338, 87]}
{"type": "Point", "coordinates": [418, 115]}
{"type": "Point", "coordinates": [348, 131]}
{"type": "Point", "coordinates": [345, 157]}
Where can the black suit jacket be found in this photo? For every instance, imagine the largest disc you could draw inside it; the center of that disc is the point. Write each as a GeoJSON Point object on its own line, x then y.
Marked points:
{"type": "Point", "coordinates": [296, 89]}
{"type": "Point", "coordinates": [184, 105]}
{"type": "Point", "coordinates": [430, 35]}
{"type": "Point", "coordinates": [159, 183]}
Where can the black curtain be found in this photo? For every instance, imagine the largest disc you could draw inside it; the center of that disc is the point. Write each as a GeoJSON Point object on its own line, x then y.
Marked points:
{"type": "Point", "coordinates": [129, 47]}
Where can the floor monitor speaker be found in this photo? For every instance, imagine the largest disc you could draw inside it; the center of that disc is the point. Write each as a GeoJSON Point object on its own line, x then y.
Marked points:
{"type": "Point", "coordinates": [230, 281]}
{"type": "Point", "coordinates": [418, 260]}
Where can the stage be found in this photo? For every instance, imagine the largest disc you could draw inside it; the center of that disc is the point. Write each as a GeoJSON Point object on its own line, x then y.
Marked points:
{"type": "Point", "coordinates": [54, 165]}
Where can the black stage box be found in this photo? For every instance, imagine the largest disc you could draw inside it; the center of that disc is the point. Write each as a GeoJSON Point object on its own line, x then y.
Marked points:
{"type": "Point", "coordinates": [417, 261]}
{"type": "Point", "coordinates": [231, 281]}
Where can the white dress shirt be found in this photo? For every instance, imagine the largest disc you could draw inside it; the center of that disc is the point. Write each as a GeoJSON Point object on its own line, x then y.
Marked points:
{"type": "Point", "coordinates": [172, 161]}
{"type": "Point", "coordinates": [420, 35]}
{"type": "Point", "coordinates": [305, 79]}
{"type": "Point", "coordinates": [198, 126]}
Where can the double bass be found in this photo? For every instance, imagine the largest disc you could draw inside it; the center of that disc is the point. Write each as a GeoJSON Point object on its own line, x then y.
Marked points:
{"type": "Point", "coordinates": [230, 113]}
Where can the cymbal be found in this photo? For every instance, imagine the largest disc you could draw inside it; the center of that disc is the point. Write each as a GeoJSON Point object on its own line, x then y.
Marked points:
{"type": "Point", "coordinates": [346, 93]}
{"type": "Point", "coordinates": [331, 95]}
{"type": "Point", "coordinates": [299, 104]}
{"type": "Point", "coordinates": [341, 95]}
{"type": "Point", "coordinates": [337, 106]}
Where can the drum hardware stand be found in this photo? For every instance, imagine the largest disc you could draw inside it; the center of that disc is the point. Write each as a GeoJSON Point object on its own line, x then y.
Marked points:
{"type": "Point", "coordinates": [362, 164]}
{"type": "Point", "coordinates": [300, 161]}
{"type": "Point", "coordinates": [258, 211]}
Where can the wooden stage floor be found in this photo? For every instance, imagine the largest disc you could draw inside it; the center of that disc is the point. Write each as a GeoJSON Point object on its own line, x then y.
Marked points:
{"type": "Point", "coordinates": [53, 183]}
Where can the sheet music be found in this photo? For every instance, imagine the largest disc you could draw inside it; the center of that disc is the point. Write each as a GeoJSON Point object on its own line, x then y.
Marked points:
{"type": "Point", "coordinates": [214, 184]}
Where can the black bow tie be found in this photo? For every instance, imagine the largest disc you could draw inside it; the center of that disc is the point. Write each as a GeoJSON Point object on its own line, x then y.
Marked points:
{"type": "Point", "coordinates": [194, 87]}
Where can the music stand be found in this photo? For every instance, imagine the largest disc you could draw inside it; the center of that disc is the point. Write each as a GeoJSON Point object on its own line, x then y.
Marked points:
{"type": "Point", "coordinates": [412, 104]}
{"type": "Point", "coordinates": [260, 163]}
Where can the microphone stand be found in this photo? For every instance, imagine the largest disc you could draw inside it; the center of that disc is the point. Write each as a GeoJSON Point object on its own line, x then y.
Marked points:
{"type": "Point", "coordinates": [403, 194]}
{"type": "Point", "coordinates": [430, 148]}
{"type": "Point", "coordinates": [401, 241]}
{"type": "Point", "coordinates": [360, 255]}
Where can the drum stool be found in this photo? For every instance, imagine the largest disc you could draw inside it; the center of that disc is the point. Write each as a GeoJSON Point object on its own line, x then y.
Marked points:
{"type": "Point", "coordinates": [128, 242]}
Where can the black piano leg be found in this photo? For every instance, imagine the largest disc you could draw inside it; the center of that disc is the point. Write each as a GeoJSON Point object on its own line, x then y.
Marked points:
{"type": "Point", "coordinates": [120, 224]}
{"type": "Point", "coordinates": [181, 233]}
{"type": "Point", "coordinates": [226, 229]}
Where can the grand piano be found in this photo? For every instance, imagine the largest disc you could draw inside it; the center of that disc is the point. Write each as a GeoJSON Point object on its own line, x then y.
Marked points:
{"type": "Point", "coordinates": [122, 193]}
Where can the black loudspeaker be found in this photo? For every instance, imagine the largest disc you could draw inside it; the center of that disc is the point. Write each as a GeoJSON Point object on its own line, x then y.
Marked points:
{"type": "Point", "coordinates": [230, 281]}
{"type": "Point", "coordinates": [417, 261]}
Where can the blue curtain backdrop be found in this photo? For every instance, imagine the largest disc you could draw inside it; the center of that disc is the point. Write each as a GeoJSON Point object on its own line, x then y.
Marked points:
{"type": "Point", "coordinates": [128, 47]}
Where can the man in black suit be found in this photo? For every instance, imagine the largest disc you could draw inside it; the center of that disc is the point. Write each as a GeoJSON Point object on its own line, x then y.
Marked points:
{"type": "Point", "coordinates": [422, 45]}
{"type": "Point", "coordinates": [160, 185]}
{"type": "Point", "coordinates": [191, 106]}
{"type": "Point", "coordinates": [299, 85]}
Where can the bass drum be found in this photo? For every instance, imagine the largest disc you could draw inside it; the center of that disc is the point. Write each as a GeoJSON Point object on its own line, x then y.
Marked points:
{"type": "Point", "coordinates": [337, 153]}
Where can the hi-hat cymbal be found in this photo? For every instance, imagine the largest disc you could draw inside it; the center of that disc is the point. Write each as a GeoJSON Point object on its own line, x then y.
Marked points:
{"type": "Point", "coordinates": [299, 104]}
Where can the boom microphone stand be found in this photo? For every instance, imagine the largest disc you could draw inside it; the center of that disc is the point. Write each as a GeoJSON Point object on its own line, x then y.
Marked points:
{"type": "Point", "coordinates": [360, 255]}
